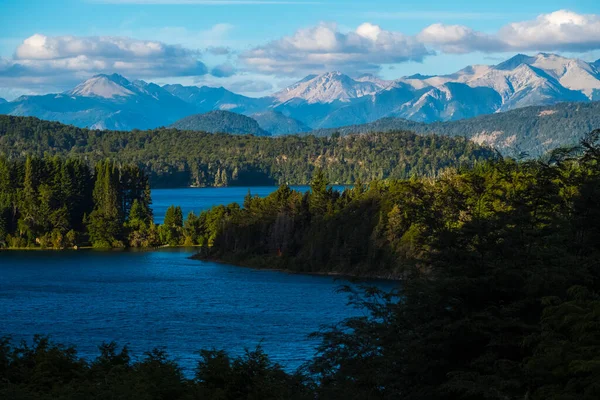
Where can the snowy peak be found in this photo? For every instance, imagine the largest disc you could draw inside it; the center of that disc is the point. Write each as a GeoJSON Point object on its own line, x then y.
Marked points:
{"type": "Point", "coordinates": [559, 75]}
{"type": "Point", "coordinates": [327, 88]}
{"type": "Point", "coordinates": [571, 73]}
{"type": "Point", "coordinates": [104, 86]}
{"type": "Point", "coordinates": [514, 62]}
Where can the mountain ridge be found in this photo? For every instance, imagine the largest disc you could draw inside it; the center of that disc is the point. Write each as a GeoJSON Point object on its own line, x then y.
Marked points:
{"type": "Point", "coordinates": [328, 100]}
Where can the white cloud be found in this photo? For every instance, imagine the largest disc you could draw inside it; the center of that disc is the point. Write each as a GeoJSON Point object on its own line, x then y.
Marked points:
{"type": "Point", "coordinates": [64, 60]}
{"type": "Point", "coordinates": [561, 30]}
{"type": "Point", "coordinates": [458, 39]}
{"type": "Point", "coordinates": [324, 47]}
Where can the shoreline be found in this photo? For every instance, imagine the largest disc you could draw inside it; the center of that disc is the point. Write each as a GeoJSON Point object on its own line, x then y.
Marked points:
{"type": "Point", "coordinates": [294, 272]}
{"type": "Point", "coordinates": [98, 248]}
{"type": "Point", "coordinates": [235, 263]}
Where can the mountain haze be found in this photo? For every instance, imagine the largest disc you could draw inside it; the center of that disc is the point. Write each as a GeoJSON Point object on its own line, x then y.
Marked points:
{"type": "Point", "coordinates": [328, 100]}
{"type": "Point", "coordinates": [278, 124]}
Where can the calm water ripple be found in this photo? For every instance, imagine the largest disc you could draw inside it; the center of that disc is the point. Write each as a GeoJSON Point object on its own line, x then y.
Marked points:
{"type": "Point", "coordinates": [163, 298]}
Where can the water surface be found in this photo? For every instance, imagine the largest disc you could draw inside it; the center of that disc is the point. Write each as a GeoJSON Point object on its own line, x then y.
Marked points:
{"type": "Point", "coordinates": [163, 298]}
{"type": "Point", "coordinates": [199, 199]}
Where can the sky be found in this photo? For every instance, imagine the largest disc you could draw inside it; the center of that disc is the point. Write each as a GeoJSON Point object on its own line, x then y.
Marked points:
{"type": "Point", "coordinates": [256, 47]}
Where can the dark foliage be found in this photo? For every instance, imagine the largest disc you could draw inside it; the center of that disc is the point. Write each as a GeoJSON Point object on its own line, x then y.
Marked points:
{"type": "Point", "coordinates": [182, 158]}
{"type": "Point", "coordinates": [531, 130]}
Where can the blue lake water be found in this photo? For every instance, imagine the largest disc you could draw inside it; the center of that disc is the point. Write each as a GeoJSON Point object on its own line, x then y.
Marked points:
{"type": "Point", "coordinates": [162, 298]}
{"type": "Point", "coordinates": [199, 199]}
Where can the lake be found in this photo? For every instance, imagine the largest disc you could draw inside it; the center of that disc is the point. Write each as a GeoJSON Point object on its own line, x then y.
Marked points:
{"type": "Point", "coordinates": [198, 199]}
{"type": "Point", "coordinates": [163, 298]}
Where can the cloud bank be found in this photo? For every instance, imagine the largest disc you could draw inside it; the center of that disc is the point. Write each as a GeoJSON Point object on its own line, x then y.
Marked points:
{"type": "Point", "coordinates": [561, 30]}
{"type": "Point", "coordinates": [323, 47]}
{"type": "Point", "coordinates": [40, 61]}
{"type": "Point", "coordinates": [63, 59]}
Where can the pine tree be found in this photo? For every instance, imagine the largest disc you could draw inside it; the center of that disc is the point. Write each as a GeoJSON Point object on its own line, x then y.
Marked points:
{"type": "Point", "coordinates": [320, 195]}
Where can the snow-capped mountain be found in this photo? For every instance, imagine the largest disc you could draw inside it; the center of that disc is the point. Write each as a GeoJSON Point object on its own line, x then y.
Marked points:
{"type": "Point", "coordinates": [526, 80]}
{"type": "Point", "coordinates": [104, 86]}
{"type": "Point", "coordinates": [543, 79]}
{"type": "Point", "coordinates": [328, 100]}
{"type": "Point", "coordinates": [105, 102]}
{"type": "Point", "coordinates": [327, 88]}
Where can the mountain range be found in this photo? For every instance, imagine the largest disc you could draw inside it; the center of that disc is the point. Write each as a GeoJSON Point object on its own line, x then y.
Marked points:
{"type": "Point", "coordinates": [328, 100]}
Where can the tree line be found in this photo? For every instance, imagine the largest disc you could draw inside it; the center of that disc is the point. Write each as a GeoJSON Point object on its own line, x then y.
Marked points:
{"type": "Point", "coordinates": [53, 202]}
{"type": "Point", "coordinates": [173, 158]}
{"type": "Point", "coordinates": [499, 299]}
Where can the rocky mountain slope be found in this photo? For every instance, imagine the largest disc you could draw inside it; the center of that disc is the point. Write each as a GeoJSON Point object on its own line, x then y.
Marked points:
{"type": "Point", "coordinates": [533, 130]}
{"type": "Point", "coordinates": [328, 100]}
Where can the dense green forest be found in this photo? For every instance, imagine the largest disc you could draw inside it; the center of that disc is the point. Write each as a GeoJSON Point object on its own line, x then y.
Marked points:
{"type": "Point", "coordinates": [532, 130]}
{"type": "Point", "coordinates": [500, 297]}
{"type": "Point", "coordinates": [57, 203]}
{"type": "Point", "coordinates": [220, 122]}
{"type": "Point", "coordinates": [181, 158]}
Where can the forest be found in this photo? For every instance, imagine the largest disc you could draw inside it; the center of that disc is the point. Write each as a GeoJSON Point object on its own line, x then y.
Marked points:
{"type": "Point", "coordinates": [533, 131]}
{"type": "Point", "coordinates": [59, 203]}
{"type": "Point", "coordinates": [499, 299]}
{"type": "Point", "coordinates": [173, 158]}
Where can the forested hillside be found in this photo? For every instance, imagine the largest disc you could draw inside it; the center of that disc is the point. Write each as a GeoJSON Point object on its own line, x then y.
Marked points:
{"type": "Point", "coordinates": [182, 158]}
{"type": "Point", "coordinates": [532, 130]}
{"type": "Point", "coordinates": [500, 297]}
{"type": "Point", "coordinates": [221, 122]}
{"type": "Point", "coordinates": [500, 268]}
{"type": "Point", "coordinates": [58, 203]}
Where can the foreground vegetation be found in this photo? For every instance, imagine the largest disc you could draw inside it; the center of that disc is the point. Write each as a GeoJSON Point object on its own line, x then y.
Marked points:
{"type": "Point", "coordinates": [173, 158]}
{"type": "Point", "coordinates": [500, 296]}
{"type": "Point", "coordinates": [501, 278]}
{"type": "Point", "coordinates": [45, 370]}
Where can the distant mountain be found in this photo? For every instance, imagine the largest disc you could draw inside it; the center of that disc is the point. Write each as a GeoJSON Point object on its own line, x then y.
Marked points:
{"type": "Point", "coordinates": [2, 101]}
{"type": "Point", "coordinates": [334, 99]}
{"type": "Point", "coordinates": [526, 80]}
{"type": "Point", "coordinates": [221, 122]}
{"type": "Point", "coordinates": [534, 130]}
{"type": "Point", "coordinates": [328, 100]}
{"type": "Point", "coordinates": [327, 88]}
{"type": "Point", "coordinates": [278, 124]}
{"type": "Point", "coordinates": [205, 99]}
{"type": "Point", "coordinates": [105, 102]}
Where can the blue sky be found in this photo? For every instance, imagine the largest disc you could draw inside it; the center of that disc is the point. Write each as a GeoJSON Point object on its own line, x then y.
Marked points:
{"type": "Point", "coordinates": [259, 46]}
